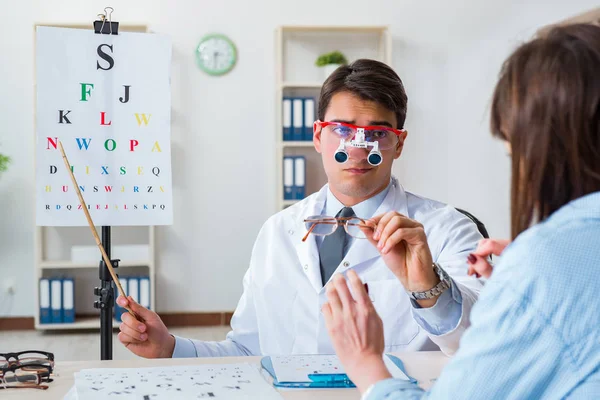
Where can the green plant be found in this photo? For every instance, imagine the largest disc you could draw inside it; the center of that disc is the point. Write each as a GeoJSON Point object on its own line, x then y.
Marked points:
{"type": "Point", "coordinates": [4, 161]}
{"type": "Point", "coordinates": [335, 57]}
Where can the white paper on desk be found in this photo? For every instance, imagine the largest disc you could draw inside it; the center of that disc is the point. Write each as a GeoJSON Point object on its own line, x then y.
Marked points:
{"type": "Point", "coordinates": [296, 368]}
{"type": "Point", "coordinates": [219, 381]}
{"type": "Point", "coordinates": [71, 394]}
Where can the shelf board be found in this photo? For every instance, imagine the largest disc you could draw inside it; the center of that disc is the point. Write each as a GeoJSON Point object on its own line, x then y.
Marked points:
{"type": "Point", "coordinates": [333, 28]}
{"type": "Point", "coordinates": [67, 264]}
{"type": "Point", "coordinates": [301, 85]}
{"type": "Point", "coordinates": [300, 143]}
{"type": "Point", "coordinates": [80, 323]}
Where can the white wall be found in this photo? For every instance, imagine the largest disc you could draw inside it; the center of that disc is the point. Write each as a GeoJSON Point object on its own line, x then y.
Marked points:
{"type": "Point", "coordinates": [448, 55]}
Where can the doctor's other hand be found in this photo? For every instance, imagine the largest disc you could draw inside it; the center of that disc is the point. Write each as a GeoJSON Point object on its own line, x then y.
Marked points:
{"type": "Point", "coordinates": [404, 249]}
{"type": "Point", "coordinates": [356, 331]}
{"type": "Point", "coordinates": [478, 261]}
{"type": "Point", "coordinates": [148, 339]}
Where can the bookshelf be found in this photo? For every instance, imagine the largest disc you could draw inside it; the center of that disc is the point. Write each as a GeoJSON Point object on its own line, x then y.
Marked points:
{"type": "Point", "coordinates": [296, 50]}
{"type": "Point", "coordinates": [53, 260]}
{"type": "Point", "coordinates": [52, 250]}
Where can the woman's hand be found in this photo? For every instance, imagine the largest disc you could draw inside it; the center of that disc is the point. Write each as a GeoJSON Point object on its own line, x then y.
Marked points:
{"type": "Point", "coordinates": [356, 331]}
{"type": "Point", "coordinates": [478, 260]}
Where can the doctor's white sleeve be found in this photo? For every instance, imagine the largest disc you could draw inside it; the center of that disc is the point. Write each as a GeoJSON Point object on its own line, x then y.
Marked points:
{"type": "Point", "coordinates": [242, 340]}
{"type": "Point", "coordinates": [448, 319]}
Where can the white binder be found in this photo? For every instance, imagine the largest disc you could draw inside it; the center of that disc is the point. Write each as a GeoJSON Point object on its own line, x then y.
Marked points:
{"type": "Point", "coordinates": [45, 315]}
{"type": "Point", "coordinates": [145, 292]}
{"type": "Point", "coordinates": [288, 178]}
{"type": "Point", "coordinates": [68, 287]}
{"type": "Point", "coordinates": [133, 286]}
{"type": "Point", "coordinates": [299, 177]}
{"type": "Point", "coordinates": [287, 119]}
{"type": "Point", "coordinates": [56, 300]}
{"type": "Point", "coordinates": [309, 118]}
{"type": "Point", "coordinates": [298, 119]}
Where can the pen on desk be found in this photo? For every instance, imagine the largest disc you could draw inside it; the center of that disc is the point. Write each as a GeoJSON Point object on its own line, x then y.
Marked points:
{"type": "Point", "coordinates": [329, 377]}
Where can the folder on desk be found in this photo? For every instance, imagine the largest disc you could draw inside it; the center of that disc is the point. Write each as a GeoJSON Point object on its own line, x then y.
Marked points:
{"type": "Point", "coordinates": [45, 316]}
{"type": "Point", "coordinates": [68, 288]}
{"type": "Point", "coordinates": [56, 301]}
{"type": "Point", "coordinates": [320, 371]}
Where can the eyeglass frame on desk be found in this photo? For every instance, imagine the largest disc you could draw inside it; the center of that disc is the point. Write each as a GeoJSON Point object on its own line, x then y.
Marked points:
{"type": "Point", "coordinates": [40, 367]}
{"type": "Point", "coordinates": [16, 354]}
{"type": "Point", "coordinates": [40, 374]}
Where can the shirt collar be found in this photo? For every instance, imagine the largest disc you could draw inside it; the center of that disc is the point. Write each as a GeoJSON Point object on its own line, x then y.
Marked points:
{"type": "Point", "coordinates": [364, 209]}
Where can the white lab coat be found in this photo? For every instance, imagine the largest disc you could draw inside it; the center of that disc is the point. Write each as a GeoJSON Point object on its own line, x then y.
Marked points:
{"type": "Point", "coordinates": [279, 311]}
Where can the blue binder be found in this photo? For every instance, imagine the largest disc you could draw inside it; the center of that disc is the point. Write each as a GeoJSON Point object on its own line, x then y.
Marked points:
{"type": "Point", "coordinates": [309, 118]}
{"type": "Point", "coordinates": [287, 118]}
{"type": "Point", "coordinates": [144, 294]}
{"type": "Point", "coordinates": [68, 292]}
{"type": "Point", "coordinates": [118, 309]}
{"type": "Point", "coordinates": [297, 119]}
{"type": "Point", "coordinates": [133, 288]}
{"type": "Point", "coordinates": [324, 380]}
{"type": "Point", "coordinates": [299, 186]}
{"type": "Point", "coordinates": [288, 178]}
{"type": "Point", "coordinates": [45, 316]}
{"type": "Point", "coordinates": [56, 300]}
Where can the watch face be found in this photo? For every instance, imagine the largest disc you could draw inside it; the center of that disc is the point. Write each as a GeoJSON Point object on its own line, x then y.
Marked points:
{"type": "Point", "coordinates": [216, 54]}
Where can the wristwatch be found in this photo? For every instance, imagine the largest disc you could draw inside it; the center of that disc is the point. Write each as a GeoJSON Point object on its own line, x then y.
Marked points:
{"type": "Point", "coordinates": [437, 289]}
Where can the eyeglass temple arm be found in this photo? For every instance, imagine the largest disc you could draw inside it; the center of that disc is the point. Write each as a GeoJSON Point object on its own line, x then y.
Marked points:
{"type": "Point", "coordinates": [315, 223]}
{"type": "Point", "coordinates": [309, 231]}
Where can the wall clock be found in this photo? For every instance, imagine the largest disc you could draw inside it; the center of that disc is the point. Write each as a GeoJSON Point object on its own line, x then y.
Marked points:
{"type": "Point", "coordinates": [216, 54]}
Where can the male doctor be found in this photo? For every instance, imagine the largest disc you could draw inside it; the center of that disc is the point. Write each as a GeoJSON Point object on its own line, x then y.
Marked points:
{"type": "Point", "coordinates": [414, 261]}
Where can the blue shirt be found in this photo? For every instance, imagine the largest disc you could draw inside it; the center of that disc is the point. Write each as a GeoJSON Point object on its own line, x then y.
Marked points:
{"type": "Point", "coordinates": [535, 329]}
{"type": "Point", "coordinates": [447, 311]}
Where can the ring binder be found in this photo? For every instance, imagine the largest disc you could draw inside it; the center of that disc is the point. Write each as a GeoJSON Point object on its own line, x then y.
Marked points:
{"type": "Point", "coordinates": [101, 27]}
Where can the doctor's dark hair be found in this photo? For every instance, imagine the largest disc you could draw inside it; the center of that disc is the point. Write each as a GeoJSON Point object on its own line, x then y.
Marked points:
{"type": "Point", "coordinates": [546, 104]}
{"type": "Point", "coordinates": [369, 80]}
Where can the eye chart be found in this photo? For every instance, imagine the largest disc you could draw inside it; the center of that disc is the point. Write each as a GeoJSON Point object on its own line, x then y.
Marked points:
{"type": "Point", "coordinates": [224, 381]}
{"type": "Point", "coordinates": [296, 368]}
{"type": "Point", "coordinates": [107, 99]}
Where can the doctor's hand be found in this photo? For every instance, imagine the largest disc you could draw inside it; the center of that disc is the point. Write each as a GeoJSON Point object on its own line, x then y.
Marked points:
{"type": "Point", "coordinates": [479, 264]}
{"type": "Point", "coordinates": [404, 249]}
{"type": "Point", "coordinates": [356, 331]}
{"type": "Point", "coordinates": [148, 339]}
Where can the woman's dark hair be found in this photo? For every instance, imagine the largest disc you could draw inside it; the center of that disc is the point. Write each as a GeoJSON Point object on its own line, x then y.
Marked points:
{"type": "Point", "coordinates": [369, 80]}
{"type": "Point", "coordinates": [546, 104]}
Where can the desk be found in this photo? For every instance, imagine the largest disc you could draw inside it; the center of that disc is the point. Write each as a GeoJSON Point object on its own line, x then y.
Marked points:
{"type": "Point", "coordinates": [423, 366]}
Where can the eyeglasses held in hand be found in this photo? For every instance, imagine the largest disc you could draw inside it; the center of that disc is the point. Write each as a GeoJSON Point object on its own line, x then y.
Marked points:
{"type": "Point", "coordinates": [324, 225]}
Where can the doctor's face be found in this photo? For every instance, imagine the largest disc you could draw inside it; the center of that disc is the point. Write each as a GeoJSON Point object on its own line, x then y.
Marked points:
{"type": "Point", "coordinates": [355, 180]}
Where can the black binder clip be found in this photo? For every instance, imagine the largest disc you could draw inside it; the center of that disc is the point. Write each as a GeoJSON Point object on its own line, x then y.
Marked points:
{"type": "Point", "coordinates": [107, 28]}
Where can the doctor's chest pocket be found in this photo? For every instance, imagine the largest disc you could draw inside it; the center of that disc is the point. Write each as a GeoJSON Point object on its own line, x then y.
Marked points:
{"type": "Point", "coordinates": [393, 306]}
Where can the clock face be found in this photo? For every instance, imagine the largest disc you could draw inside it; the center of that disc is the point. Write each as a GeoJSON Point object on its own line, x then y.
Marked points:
{"type": "Point", "coordinates": [216, 54]}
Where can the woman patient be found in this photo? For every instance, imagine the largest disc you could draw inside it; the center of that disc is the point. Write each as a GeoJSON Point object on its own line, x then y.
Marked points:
{"type": "Point", "coordinates": [535, 331]}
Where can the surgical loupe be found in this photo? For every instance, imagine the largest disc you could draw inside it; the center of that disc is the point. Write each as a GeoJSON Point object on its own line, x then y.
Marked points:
{"type": "Point", "coordinates": [374, 158]}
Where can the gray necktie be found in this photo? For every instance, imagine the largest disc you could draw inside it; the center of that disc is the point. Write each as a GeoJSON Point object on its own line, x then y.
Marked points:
{"type": "Point", "coordinates": [331, 251]}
